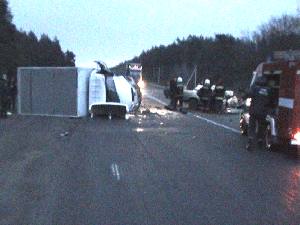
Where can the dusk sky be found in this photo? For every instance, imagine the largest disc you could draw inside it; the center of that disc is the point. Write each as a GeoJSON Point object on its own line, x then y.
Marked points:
{"type": "Point", "coordinates": [115, 30]}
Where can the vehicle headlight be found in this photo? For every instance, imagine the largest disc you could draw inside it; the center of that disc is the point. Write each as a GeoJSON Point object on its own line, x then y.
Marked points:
{"type": "Point", "coordinates": [296, 138]}
{"type": "Point", "coordinates": [248, 102]}
{"type": "Point", "coordinates": [141, 84]}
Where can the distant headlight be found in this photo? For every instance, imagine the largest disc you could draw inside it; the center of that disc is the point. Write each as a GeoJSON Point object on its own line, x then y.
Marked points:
{"type": "Point", "coordinates": [141, 84]}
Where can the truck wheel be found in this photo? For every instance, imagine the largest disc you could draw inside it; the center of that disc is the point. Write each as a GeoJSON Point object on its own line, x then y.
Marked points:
{"type": "Point", "coordinates": [298, 151]}
{"type": "Point", "coordinates": [193, 104]}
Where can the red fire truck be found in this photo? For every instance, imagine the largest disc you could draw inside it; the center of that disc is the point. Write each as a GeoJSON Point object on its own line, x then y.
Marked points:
{"type": "Point", "coordinates": [283, 122]}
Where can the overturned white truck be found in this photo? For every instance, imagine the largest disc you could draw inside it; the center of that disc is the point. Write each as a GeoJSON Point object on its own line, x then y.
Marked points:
{"type": "Point", "coordinates": [75, 92]}
{"type": "Point", "coordinates": [112, 95]}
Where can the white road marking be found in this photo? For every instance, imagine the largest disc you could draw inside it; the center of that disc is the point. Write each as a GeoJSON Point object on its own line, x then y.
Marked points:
{"type": "Point", "coordinates": [115, 171]}
{"type": "Point", "coordinates": [217, 124]}
{"type": "Point", "coordinates": [200, 117]}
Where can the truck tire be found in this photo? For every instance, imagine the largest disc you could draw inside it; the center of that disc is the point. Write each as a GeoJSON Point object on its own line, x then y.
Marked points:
{"type": "Point", "coordinates": [296, 152]}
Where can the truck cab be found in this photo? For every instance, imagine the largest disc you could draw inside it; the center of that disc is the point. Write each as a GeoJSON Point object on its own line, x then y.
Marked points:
{"type": "Point", "coordinates": [283, 121]}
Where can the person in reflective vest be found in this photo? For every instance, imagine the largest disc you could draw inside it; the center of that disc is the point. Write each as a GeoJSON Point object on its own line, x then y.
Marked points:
{"type": "Point", "coordinates": [179, 93]}
{"type": "Point", "coordinates": [173, 85]}
{"type": "Point", "coordinates": [205, 95]}
{"type": "Point", "coordinates": [219, 94]}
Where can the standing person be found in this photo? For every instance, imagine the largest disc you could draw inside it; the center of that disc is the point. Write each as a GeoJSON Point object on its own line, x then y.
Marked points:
{"type": "Point", "coordinates": [3, 98]}
{"type": "Point", "coordinates": [219, 94]}
{"type": "Point", "coordinates": [179, 93]}
{"type": "Point", "coordinates": [205, 95]}
{"type": "Point", "coordinates": [173, 85]}
{"type": "Point", "coordinates": [258, 110]}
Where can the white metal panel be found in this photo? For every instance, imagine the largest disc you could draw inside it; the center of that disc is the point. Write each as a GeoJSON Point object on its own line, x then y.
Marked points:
{"type": "Point", "coordinates": [82, 90]}
{"type": "Point", "coordinates": [124, 91]}
{"type": "Point", "coordinates": [286, 102]}
{"type": "Point", "coordinates": [53, 91]}
{"type": "Point", "coordinates": [97, 90]}
{"type": "Point", "coordinates": [277, 72]}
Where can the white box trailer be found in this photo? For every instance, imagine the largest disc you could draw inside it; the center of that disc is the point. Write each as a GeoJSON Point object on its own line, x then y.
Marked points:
{"type": "Point", "coordinates": [53, 91]}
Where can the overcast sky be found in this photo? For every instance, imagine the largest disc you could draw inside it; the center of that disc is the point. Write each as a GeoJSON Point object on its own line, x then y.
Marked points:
{"type": "Point", "coordinates": [116, 30]}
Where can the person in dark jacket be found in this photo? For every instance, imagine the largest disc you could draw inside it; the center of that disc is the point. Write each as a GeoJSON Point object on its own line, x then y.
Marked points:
{"type": "Point", "coordinates": [173, 87]}
{"type": "Point", "coordinates": [3, 98]}
{"type": "Point", "coordinates": [258, 110]}
{"type": "Point", "coordinates": [218, 96]}
{"type": "Point", "coordinates": [205, 95]}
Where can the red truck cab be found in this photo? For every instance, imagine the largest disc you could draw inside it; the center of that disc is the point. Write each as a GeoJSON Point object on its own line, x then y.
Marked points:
{"type": "Point", "coordinates": [284, 120]}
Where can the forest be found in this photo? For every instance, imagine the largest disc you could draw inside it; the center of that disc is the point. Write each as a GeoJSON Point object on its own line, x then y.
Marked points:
{"type": "Point", "coordinates": [223, 58]}
{"type": "Point", "coordinates": [21, 49]}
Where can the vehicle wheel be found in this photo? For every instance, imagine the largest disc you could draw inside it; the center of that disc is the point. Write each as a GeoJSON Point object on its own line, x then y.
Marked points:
{"type": "Point", "coordinates": [295, 152]}
{"type": "Point", "coordinates": [193, 104]}
{"type": "Point", "coordinates": [298, 152]}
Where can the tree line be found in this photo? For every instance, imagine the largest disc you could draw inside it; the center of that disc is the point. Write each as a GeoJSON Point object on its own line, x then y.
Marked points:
{"type": "Point", "coordinates": [22, 49]}
{"type": "Point", "coordinates": [223, 58]}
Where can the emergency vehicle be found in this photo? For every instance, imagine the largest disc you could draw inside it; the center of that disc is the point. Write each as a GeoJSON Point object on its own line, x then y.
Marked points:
{"type": "Point", "coordinates": [283, 121]}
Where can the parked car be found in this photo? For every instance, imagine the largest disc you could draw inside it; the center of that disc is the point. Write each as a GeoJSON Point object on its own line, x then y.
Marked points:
{"type": "Point", "coordinates": [191, 97]}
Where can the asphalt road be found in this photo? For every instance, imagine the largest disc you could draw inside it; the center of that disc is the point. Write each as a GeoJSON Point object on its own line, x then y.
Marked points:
{"type": "Point", "coordinates": [156, 167]}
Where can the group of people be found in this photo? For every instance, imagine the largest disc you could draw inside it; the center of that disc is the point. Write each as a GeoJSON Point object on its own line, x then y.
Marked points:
{"type": "Point", "coordinates": [7, 97]}
{"type": "Point", "coordinates": [262, 104]}
{"type": "Point", "coordinates": [211, 99]}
